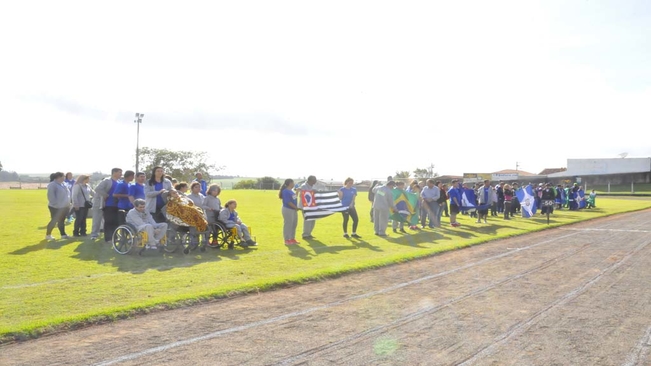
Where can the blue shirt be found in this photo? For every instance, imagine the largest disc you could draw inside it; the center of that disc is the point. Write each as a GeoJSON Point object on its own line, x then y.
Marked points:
{"type": "Point", "coordinates": [137, 191]}
{"type": "Point", "coordinates": [110, 200]}
{"type": "Point", "coordinates": [347, 195]}
{"type": "Point", "coordinates": [159, 199]}
{"type": "Point", "coordinates": [123, 202]}
{"type": "Point", "coordinates": [454, 192]}
{"type": "Point", "coordinates": [289, 196]}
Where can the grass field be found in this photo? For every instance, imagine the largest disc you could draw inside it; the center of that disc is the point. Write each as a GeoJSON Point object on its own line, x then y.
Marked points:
{"type": "Point", "coordinates": [53, 285]}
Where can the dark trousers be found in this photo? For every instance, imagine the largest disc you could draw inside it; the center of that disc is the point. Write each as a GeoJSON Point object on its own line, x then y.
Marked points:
{"type": "Point", "coordinates": [57, 218]}
{"type": "Point", "coordinates": [111, 222]}
{"type": "Point", "coordinates": [444, 208]}
{"type": "Point", "coordinates": [352, 213]}
{"type": "Point", "coordinates": [80, 221]}
{"type": "Point", "coordinates": [507, 210]}
{"type": "Point", "coordinates": [159, 216]}
{"type": "Point", "coordinates": [500, 205]}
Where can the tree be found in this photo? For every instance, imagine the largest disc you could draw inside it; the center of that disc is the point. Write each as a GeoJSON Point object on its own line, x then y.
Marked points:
{"type": "Point", "coordinates": [423, 173]}
{"type": "Point", "coordinates": [267, 183]}
{"type": "Point", "coordinates": [181, 165]}
{"type": "Point", "coordinates": [245, 184]}
{"type": "Point", "coordinates": [402, 174]}
{"type": "Point", "coordinates": [0, 166]}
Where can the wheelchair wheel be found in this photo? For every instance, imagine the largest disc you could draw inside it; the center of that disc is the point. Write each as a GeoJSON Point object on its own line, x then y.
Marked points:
{"type": "Point", "coordinates": [124, 238]}
{"type": "Point", "coordinates": [218, 236]}
{"type": "Point", "coordinates": [173, 241]}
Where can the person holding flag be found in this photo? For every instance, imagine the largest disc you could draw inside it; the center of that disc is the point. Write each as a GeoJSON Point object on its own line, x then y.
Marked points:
{"type": "Point", "coordinates": [455, 202]}
{"type": "Point", "coordinates": [308, 225]}
{"type": "Point", "coordinates": [486, 197]}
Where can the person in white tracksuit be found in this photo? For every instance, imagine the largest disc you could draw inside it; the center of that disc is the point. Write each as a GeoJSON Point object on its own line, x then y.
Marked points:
{"type": "Point", "coordinates": [383, 205]}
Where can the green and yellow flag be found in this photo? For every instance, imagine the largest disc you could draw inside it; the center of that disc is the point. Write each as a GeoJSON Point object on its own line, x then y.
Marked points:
{"type": "Point", "coordinates": [407, 204]}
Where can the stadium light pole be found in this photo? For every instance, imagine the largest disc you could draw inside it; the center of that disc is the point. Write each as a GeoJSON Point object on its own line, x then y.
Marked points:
{"type": "Point", "coordinates": [138, 121]}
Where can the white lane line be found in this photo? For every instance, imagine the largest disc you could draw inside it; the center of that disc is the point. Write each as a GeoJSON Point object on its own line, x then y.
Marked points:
{"type": "Point", "coordinates": [612, 230]}
{"type": "Point", "coordinates": [522, 327]}
{"type": "Point", "coordinates": [133, 356]}
{"type": "Point", "coordinates": [641, 350]}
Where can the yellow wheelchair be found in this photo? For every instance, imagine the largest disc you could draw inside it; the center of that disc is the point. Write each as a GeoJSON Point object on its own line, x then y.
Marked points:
{"type": "Point", "coordinates": [126, 237]}
{"type": "Point", "coordinates": [221, 236]}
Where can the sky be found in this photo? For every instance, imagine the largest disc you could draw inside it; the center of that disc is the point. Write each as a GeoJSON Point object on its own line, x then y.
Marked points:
{"type": "Point", "coordinates": [334, 89]}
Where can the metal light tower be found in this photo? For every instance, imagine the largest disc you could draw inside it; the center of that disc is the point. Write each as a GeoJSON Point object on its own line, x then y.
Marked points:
{"type": "Point", "coordinates": [138, 121]}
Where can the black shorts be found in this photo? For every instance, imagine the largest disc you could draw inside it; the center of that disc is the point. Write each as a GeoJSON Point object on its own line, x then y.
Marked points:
{"type": "Point", "coordinates": [483, 212]}
{"type": "Point", "coordinates": [454, 208]}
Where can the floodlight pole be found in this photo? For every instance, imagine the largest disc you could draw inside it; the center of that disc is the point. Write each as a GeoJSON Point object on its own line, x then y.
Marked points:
{"type": "Point", "coordinates": [138, 121]}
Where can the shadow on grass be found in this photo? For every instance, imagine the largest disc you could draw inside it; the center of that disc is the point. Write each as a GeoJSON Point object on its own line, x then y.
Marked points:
{"type": "Point", "coordinates": [45, 244]}
{"type": "Point", "coordinates": [417, 238]}
{"type": "Point", "coordinates": [102, 253]}
{"type": "Point", "coordinates": [299, 252]}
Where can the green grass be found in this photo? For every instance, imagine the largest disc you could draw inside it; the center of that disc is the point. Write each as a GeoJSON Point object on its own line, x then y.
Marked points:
{"type": "Point", "coordinates": [52, 285]}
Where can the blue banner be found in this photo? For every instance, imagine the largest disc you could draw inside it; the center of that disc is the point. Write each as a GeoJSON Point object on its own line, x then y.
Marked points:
{"type": "Point", "coordinates": [527, 201]}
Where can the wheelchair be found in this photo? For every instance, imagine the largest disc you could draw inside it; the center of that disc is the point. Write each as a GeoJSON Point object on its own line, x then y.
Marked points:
{"type": "Point", "coordinates": [186, 236]}
{"type": "Point", "coordinates": [220, 236]}
{"type": "Point", "coordinates": [126, 237]}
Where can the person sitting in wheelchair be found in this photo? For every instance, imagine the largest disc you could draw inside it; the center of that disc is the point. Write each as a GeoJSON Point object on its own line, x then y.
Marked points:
{"type": "Point", "coordinates": [144, 222]}
{"type": "Point", "coordinates": [183, 209]}
{"type": "Point", "coordinates": [228, 216]}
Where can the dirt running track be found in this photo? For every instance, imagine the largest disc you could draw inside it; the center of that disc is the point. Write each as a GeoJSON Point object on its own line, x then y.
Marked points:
{"type": "Point", "coordinates": [578, 295]}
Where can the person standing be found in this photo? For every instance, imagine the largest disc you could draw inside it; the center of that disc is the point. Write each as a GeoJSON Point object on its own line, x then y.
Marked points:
{"type": "Point", "coordinates": [137, 190]}
{"type": "Point", "coordinates": [58, 197]}
{"type": "Point", "coordinates": [106, 191]}
{"type": "Point", "coordinates": [289, 211]}
{"type": "Point", "coordinates": [81, 199]}
{"type": "Point", "coordinates": [308, 225]}
{"type": "Point", "coordinates": [195, 194]}
{"type": "Point", "coordinates": [154, 190]}
{"type": "Point", "coordinates": [69, 182]}
{"type": "Point", "coordinates": [371, 195]}
{"type": "Point", "coordinates": [431, 195]}
{"type": "Point", "coordinates": [455, 202]}
{"type": "Point", "coordinates": [486, 197]}
{"type": "Point", "coordinates": [383, 205]}
{"type": "Point", "coordinates": [548, 194]}
{"type": "Point", "coordinates": [198, 177]}
{"type": "Point", "coordinates": [122, 194]}
{"type": "Point", "coordinates": [347, 195]}
{"type": "Point", "coordinates": [508, 196]}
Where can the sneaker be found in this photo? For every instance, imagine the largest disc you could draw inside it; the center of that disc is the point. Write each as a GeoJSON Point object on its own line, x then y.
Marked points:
{"type": "Point", "coordinates": [65, 237]}
{"type": "Point", "coordinates": [346, 236]}
{"type": "Point", "coordinates": [251, 243]}
{"type": "Point", "coordinates": [93, 237]}
{"type": "Point", "coordinates": [395, 231]}
{"type": "Point", "coordinates": [356, 236]}
{"type": "Point", "coordinates": [403, 231]}
{"type": "Point", "coordinates": [289, 242]}
{"type": "Point", "coordinates": [308, 237]}
{"type": "Point", "coordinates": [49, 237]}
{"type": "Point", "coordinates": [294, 241]}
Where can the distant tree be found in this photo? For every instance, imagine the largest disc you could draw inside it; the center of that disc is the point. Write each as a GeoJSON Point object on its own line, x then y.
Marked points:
{"type": "Point", "coordinates": [402, 174]}
{"type": "Point", "coordinates": [245, 184]}
{"type": "Point", "coordinates": [425, 172]}
{"type": "Point", "coordinates": [181, 165]}
{"type": "Point", "coordinates": [0, 166]}
{"type": "Point", "coordinates": [267, 183]}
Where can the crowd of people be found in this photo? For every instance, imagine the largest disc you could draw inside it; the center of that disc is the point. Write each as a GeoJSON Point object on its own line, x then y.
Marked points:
{"type": "Point", "coordinates": [435, 199]}
{"type": "Point", "coordinates": [147, 204]}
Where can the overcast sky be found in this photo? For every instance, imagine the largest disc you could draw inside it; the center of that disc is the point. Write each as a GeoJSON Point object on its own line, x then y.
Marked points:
{"type": "Point", "coordinates": [334, 89]}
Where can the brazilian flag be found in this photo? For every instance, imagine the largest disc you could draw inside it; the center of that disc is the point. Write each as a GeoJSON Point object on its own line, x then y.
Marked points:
{"type": "Point", "coordinates": [407, 204]}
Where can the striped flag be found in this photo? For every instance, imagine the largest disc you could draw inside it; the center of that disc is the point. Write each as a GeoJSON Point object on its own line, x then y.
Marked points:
{"type": "Point", "coordinates": [320, 204]}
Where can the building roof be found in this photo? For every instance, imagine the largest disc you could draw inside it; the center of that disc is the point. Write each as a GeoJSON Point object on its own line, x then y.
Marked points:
{"type": "Point", "coordinates": [521, 173]}
{"type": "Point", "coordinates": [547, 171]}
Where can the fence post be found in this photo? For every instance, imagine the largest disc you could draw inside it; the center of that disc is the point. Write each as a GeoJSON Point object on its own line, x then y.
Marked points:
{"type": "Point", "coordinates": [608, 187]}
{"type": "Point", "coordinates": [632, 187]}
